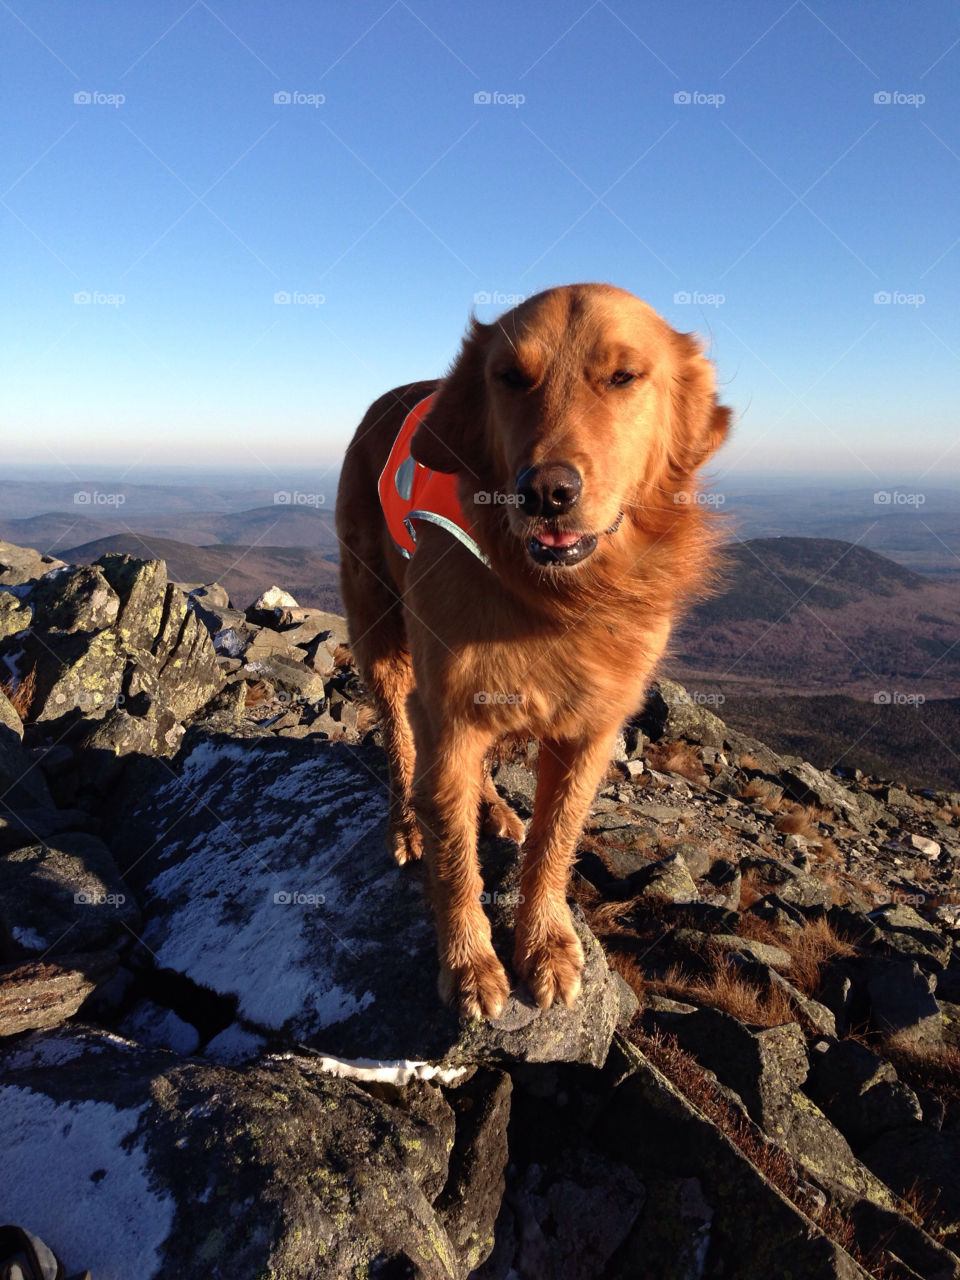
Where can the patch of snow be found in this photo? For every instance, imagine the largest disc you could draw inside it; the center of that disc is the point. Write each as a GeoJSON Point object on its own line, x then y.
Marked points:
{"type": "Point", "coordinates": [52, 1050]}
{"type": "Point", "coordinates": [399, 1071]}
{"type": "Point", "coordinates": [235, 1044]}
{"type": "Point", "coordinates": [69, 1178]}
{"type": "Point", "coordinates": [160, 1028]}
{"type": "Point", "coordinates": [259, 902]}
{"type": "Point", "coordinates": [28, 938]}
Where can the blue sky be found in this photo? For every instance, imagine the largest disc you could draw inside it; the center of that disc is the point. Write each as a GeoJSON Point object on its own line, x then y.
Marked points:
{"type": "Point", "coordinates": [781, 197]}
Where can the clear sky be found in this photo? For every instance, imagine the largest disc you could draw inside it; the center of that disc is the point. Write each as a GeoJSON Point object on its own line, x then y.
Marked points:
{"type": "Point", "coordinates": [736, 154]}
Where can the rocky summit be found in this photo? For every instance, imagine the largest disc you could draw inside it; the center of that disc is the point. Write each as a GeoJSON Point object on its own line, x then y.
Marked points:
{"type": "Point", "coordinates": [221, 1048]}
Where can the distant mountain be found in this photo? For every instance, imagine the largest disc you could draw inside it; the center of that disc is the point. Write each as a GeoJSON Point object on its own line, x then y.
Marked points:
{"type": "Point", "coordinates": [245, 571]}
{"type": "Point", "coordinates": [278, 525]}
{"type": "Point", "coordinates": [918, 743]}
{"type": "Point", "coordinates": [816, 615]}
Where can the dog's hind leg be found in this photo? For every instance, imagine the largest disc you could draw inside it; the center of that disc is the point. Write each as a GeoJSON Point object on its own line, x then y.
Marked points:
{"type": "Point", "coordinates": [379, 646]}
{"type": "Point", "coordinates": [496, 816]}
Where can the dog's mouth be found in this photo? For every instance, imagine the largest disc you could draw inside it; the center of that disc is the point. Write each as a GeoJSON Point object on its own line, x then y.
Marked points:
{"type": "Point", "coordinates": [564, 548]}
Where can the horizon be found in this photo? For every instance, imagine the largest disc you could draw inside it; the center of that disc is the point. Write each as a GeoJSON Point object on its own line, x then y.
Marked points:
{"type": "Point", "coordinates": [195, 274]}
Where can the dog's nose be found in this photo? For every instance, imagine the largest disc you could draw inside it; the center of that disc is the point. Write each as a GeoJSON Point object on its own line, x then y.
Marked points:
{"type": "Point", "coordinates": [549, 490]}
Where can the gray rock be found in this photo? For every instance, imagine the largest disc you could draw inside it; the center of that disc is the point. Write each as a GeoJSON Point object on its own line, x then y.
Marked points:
{"type": "Point", "coordinates": [902, 1000]}
{"type": "Point", "coordinates": [669, 879]}
{"type": "Point", "coordinates": [75, 672]}
{"type": "Point", "coordinates": [671, 713]}
{"type": "Point", "coordinates": [10, 723]}
{"type": "Point", "coordinates": [287, 674]}
{"type": "Point", "coordinates": [809, 785]}
{"type": "Point", "coordinates": [20, 565]}
{"type": "Point", "coordinates": [859, 1091]}
{"type": "Point", "coordinates": [904, 931]}
{"type": "Point", "coordinates": [36, 995]}
{"type": "Point", "coordinates": [792, 885]}
{"type": "Point", "coordinates": [35, 825]}
{"type": "Point", "coordinates": [277, 889]}
{"type": "Point", "coordinates": [64, 896]}
{"type": "Point", "coordinates": [570, 1219]}
{"type": "Point", "coordinates": [15, 614]}
{"type": "Point", "coordinates": [78, 599]}
{"type": "Point", "coordinates": [189, 1169]}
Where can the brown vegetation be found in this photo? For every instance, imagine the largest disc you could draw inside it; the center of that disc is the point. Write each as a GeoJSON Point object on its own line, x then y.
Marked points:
{"type": "Point", "coordinates": [20, 694]}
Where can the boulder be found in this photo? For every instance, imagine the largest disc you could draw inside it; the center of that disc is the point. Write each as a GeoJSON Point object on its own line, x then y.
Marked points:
{"type": "Point", "coordinates": [137, 1163]}
{"type": "Point", "coordinates": [78, 599]}
{"type": "Point", "coordinates": [859, 1091]}
{"type": "Point", "coordinates": [38, 994]}
{"type": "Point", "coordinates": [277, 890]}
{"type": "Point", "coordinates": [904, 932]}
{"type": "Point", "coordinates": [63, 896]}
{"type": "Point", "coordinates": [20, 565]}
{"type": "Point", "coordinates": [671, 713]}
{"type": "Point", "coordinates": [808, 785]}
{"type": "Point", "coordinates": [15, 614]}
{"type": "Point", "coordinates": [902, 1000]}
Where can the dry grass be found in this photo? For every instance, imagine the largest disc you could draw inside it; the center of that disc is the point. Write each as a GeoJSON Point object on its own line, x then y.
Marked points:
{"type": "Point", "coordinates": [776, 1165]}
{"type": "Point", "coordinates": [748, 761]}
{"type": "Point", "coordinates": [930, 1066]}
{"type": "Point", "coordinates": [768, 793]}
{"type": "Point", "coordinates": [812, 947]}
{"type": "Point", "coordinates": [21, 695]}
{"type": "Point", "coordinates": [729, 991]}
{"type": "Point", "coordinates": [800, 820]}
{"type": "Point", "coordinates": [749, 894]}
{"type": "Point", "coordinates": [676, 757]}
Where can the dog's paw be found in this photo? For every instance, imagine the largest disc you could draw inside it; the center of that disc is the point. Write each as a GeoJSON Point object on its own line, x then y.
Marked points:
{"type": "Point", "coordinates": [551, 966]}
{"type": "Point", "coordinates": [405, 842]}
{"type": "Point", "coordinates": [498, 819]}
{"type": "Point", "coordinates": [477, 988]}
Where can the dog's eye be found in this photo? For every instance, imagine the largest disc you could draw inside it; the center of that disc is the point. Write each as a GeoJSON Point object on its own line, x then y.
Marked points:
{"type": "Point", "coordinates": [621, 377]}
{"type": "Point", "coordinates": [514, 377]}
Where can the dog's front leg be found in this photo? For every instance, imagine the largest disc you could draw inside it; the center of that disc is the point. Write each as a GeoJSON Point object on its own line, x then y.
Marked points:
{"type": "Point", "coordinates": [447, 786]}
{"type": "Point", "coordinates": [548, 954]}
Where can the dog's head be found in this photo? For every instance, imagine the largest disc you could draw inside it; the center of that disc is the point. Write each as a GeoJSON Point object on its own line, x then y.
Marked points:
{"type": "Point", "coordinates": [576, 410]}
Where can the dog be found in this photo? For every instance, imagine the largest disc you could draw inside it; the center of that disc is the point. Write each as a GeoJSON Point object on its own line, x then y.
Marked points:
{"type": "Point", "coordinates": [535, 596]}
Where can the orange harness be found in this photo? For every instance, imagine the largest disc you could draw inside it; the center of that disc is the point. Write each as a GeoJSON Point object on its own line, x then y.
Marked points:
{"type": "Point", "coordinates": [410, 491]}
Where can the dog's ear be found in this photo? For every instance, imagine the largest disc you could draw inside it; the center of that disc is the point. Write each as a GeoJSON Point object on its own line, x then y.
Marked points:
{"type": "Point", "coordinates": [450, 438]}
{"type": "Point", "coordinates": [700, 424]}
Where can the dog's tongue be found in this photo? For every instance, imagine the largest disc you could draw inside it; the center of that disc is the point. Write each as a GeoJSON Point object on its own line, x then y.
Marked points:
{"type": "Point", "coordinates": [564, 539]}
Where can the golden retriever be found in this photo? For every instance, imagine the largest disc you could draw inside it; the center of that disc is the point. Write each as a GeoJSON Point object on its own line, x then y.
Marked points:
{"type": "Point", "coordinates": [574, 425]}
